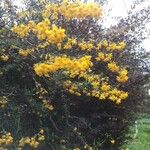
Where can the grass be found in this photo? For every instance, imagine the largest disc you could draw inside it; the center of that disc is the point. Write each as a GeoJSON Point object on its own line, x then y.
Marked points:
{"type": "Point", "coordinates": [140, 134]}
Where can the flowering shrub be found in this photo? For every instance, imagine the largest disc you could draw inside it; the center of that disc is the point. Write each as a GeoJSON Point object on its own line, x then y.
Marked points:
{"type": "Point", "coordinates": [59, 39]}
{"type": "Point", "coordinates": [58, 76]}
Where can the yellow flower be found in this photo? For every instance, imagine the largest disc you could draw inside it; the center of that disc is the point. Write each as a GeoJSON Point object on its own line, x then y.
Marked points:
{"type": "Point", "coordinates": [3, 101]}
{"type": "Point", "coordinates": [75, 66]}
{"type": "Point", "coordinates": [59, 46]}
{"type": "Point", "coordinates": [105, 43]}
{"type": "Point", "coordinates": [100, 56]}
{"type": "Point", "coordinates": [75, 129]}
{"type": "Point", "coordinates": [41, 131]}
{"type": "Point", "coordinates": [104, 57]}
{"type": "Point", "coordinates": [102, 96]}
{"type": "Point", "coordinates": [33, 142]}
{"type": "Point", "coordinates": [67, 46]}
{"type": "Point", "coordinates": [53, 35]}
{"type": "Point", "coordinates": [122, 79]}
{"type": "Point", "coordinates": [41, 138]}
{"type": "Point", "coordinates": [72, 10]}
{"type": "Point", "coordinates": [76, 149]}
{"type": "Point", "coordinates": [47, 105]}
{"type": "Point", "coordinates": [112, 66]}
{"type": "Point", "coordinates": [122, 45]}
{"type": "Point", "coordinates": [24, 53]}
{"type": "Point", "coordinates": [105, 87]}
{"type": "Point", "coordinates": [22, 30]}
{"type": "Point", "coordinates": [118, 101]}
{"type": "Point", "coordinates": [6, 139]}
{"type": "Point", "coordinates": [4, 58]}
{"type": "Point", "coordinates": [112, 141]}
{"type": "Point", "coordinates": [123, 76]}
{"type": "Point", "coordinates": [116, 47]}
{"type": "Point", "coordinates": [123, 95]}
{"type": "Point", "coordinates": [83, 46]}
{"type": "Point", "coordinates": [108, 57]}
{"type": "Point", "coordinates": [99, 46]}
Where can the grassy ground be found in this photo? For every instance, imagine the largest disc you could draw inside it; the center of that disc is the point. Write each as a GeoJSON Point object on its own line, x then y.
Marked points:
{"type": "Point", "coordinates": [140, 133]}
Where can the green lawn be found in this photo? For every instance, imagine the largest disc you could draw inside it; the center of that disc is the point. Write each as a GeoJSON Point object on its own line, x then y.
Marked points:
{"type": "Point", "coordinates": [140, 134]}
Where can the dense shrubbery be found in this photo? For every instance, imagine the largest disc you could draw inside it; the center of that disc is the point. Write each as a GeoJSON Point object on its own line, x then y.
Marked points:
{"type": "Point", "coordinates": [64, 83]}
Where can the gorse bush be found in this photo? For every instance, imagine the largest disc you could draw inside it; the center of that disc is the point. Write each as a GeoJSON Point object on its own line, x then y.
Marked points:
{"type": "Point", "coordinates": [64, 86]}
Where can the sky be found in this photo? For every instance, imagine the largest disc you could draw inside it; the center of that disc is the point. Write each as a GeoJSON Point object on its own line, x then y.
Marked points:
{"type": "Point", "coordinates": [119, 8]}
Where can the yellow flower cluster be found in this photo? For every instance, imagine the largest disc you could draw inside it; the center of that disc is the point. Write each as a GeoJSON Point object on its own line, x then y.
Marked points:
{"type": "Point", "coordinates": [70, 43]}
{"type": "Point", "coordinates": [87, 147]}
{"type": "Point", "coordinates": [40, 90]}
{"type": "Point", "coordinates": [22, 30]}
{"type": "Point", "coordinates": [105, 43]}
{"type": "Point", "coordinates": [105, 87]}
{"type": "Point", "coordinates": [42, 30]}
{"type": "Point", "coordinates": [99, 46]}
{"type": "Point", "coordinates": [116, 47]}
{"type": "Point", "coordinates": [104, 57]}
{"type": "Point", "coordinates": [43, 45]}
{"type": "Point", "coordinates": [33, 142]}
{"type": "Point", "coordinates": [71, 10]}
{"type": "Point", "coordinates": [112, 141]}
{"type": "Point", "coordinates": [99, 90]}
{"type": "Point", "coordinates": [42, 93]}
{"type": "Point", "coordinates": [112, 66]}
{"type": "Point", "coordinates": [25, 53]}
{"type": "Point", "coordinates": [48, 105]}
{"type": "Point", "coordinates": [104, 90]}
{"type": "Point", "coordinates": [73, 66]}
{"type": "Point", "coordinates": [113, 46]}
{"type": "Point", "coordinates": [86, 46]}
{"type": "Point", "coordinates": [55, 35]}
{"type": "Point", "coordinates": [6, 139]}
{"type": "Point", "coordinates": [91, 45]}
{"type": "Point", "coordinates": [4, 58]}
{"type": "Point", "coordinates": [3, 101]}
{"type": "Point", "coordinates": [71, 87]}
{"type": "Point", "coordinates": [117, 95]}
{"type": "Point", "coordinates": [51, 10]}
{"type": "Point", "coordinates": [123, 76]}
{"type": "Point", "coordinates": [49, 34]}
{"type": "Point", "coordinates": [76, 149]}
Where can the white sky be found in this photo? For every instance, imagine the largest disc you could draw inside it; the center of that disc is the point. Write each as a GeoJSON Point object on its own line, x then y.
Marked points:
{"type": "Point", "coordinates": [119, 8]}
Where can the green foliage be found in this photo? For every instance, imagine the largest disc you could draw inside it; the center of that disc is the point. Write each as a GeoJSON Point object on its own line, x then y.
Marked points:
{"type": "Point", "coordinates": [140, 134]}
